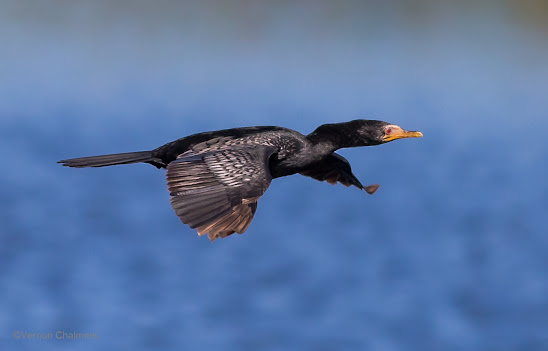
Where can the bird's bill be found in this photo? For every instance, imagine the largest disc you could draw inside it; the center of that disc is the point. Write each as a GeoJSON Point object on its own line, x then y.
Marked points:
{"type": "Point", "coordinates": [398, 133]}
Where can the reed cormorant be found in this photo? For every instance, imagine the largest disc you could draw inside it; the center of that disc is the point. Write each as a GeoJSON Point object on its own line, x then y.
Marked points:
{"type": "Point", "coordinates": [216, 178]}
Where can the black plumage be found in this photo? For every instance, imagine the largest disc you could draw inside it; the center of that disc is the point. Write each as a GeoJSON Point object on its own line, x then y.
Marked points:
{"type": "Point", "coordinates": [216, 178]}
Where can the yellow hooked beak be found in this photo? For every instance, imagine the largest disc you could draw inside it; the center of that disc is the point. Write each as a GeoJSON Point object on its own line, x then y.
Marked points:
{"type": "Point", "coordinates": [395, 132]}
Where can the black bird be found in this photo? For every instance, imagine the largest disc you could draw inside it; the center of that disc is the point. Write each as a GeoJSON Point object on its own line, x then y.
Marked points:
{"type": "Point", "coordinates": [216, 178]}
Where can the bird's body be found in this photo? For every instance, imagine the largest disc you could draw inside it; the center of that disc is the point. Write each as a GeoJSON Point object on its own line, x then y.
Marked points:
{"type": "Point", "coordinates": [288, 142]}
{"type": "Point", "coordinates": [215, 178]}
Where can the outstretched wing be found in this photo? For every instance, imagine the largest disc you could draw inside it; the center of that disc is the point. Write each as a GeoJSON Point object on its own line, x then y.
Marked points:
{"type": "Point", "coordinates": [216, 191]}
{"type": "Point", "coordinates": [335, 168]}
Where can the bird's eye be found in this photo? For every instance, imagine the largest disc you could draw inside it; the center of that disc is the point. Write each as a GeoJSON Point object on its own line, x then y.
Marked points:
{"type": "Point", "coordinates": [388, 130]}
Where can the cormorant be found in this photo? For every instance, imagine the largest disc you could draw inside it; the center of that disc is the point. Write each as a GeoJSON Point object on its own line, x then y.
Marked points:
{"type": "Point", "coordinates": [216, 178]}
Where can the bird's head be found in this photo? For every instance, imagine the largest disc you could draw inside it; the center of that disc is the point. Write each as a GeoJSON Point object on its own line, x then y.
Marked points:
{"type": "Point", "coordinates": [360, 132]}
{"type": "Point", "coordinates": [371, 132]}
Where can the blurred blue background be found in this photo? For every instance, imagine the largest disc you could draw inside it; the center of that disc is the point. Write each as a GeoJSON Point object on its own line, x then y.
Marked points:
{"type": "Point", "coordinates": [450, 254]}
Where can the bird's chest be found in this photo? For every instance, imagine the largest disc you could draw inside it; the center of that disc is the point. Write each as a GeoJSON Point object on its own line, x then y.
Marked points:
{"type": "Point", "coordinates": [292, 159]}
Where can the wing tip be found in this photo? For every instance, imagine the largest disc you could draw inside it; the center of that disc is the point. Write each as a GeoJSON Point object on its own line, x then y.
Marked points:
{"type": "Point", "coordinates": [371, 189]}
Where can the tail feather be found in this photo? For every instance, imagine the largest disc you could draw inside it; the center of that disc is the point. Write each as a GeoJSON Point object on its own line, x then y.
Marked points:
{"type": "Point", "coordinates": [109, 160]}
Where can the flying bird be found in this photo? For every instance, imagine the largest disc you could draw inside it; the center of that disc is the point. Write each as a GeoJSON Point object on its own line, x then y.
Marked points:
{"type": "Point", "coordinates": [216, 178]}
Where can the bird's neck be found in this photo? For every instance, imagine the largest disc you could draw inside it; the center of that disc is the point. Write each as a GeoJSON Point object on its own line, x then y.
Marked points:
{"type": "Point", "coordinates": [328, 138]}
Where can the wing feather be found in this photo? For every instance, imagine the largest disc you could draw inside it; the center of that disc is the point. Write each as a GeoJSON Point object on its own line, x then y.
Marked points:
{"type": "Point", "coordinates": [216, 191]}
{"type": "Point", "coordinates": [335, 168]}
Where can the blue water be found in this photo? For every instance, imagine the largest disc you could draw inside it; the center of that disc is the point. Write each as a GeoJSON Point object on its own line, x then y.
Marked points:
{"type": "Point", "coordinates": [449, 254]}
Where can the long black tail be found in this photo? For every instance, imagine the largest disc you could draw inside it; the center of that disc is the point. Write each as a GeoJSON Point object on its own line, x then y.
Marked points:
{"type": "Point", "coordinates": [109, 160]}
